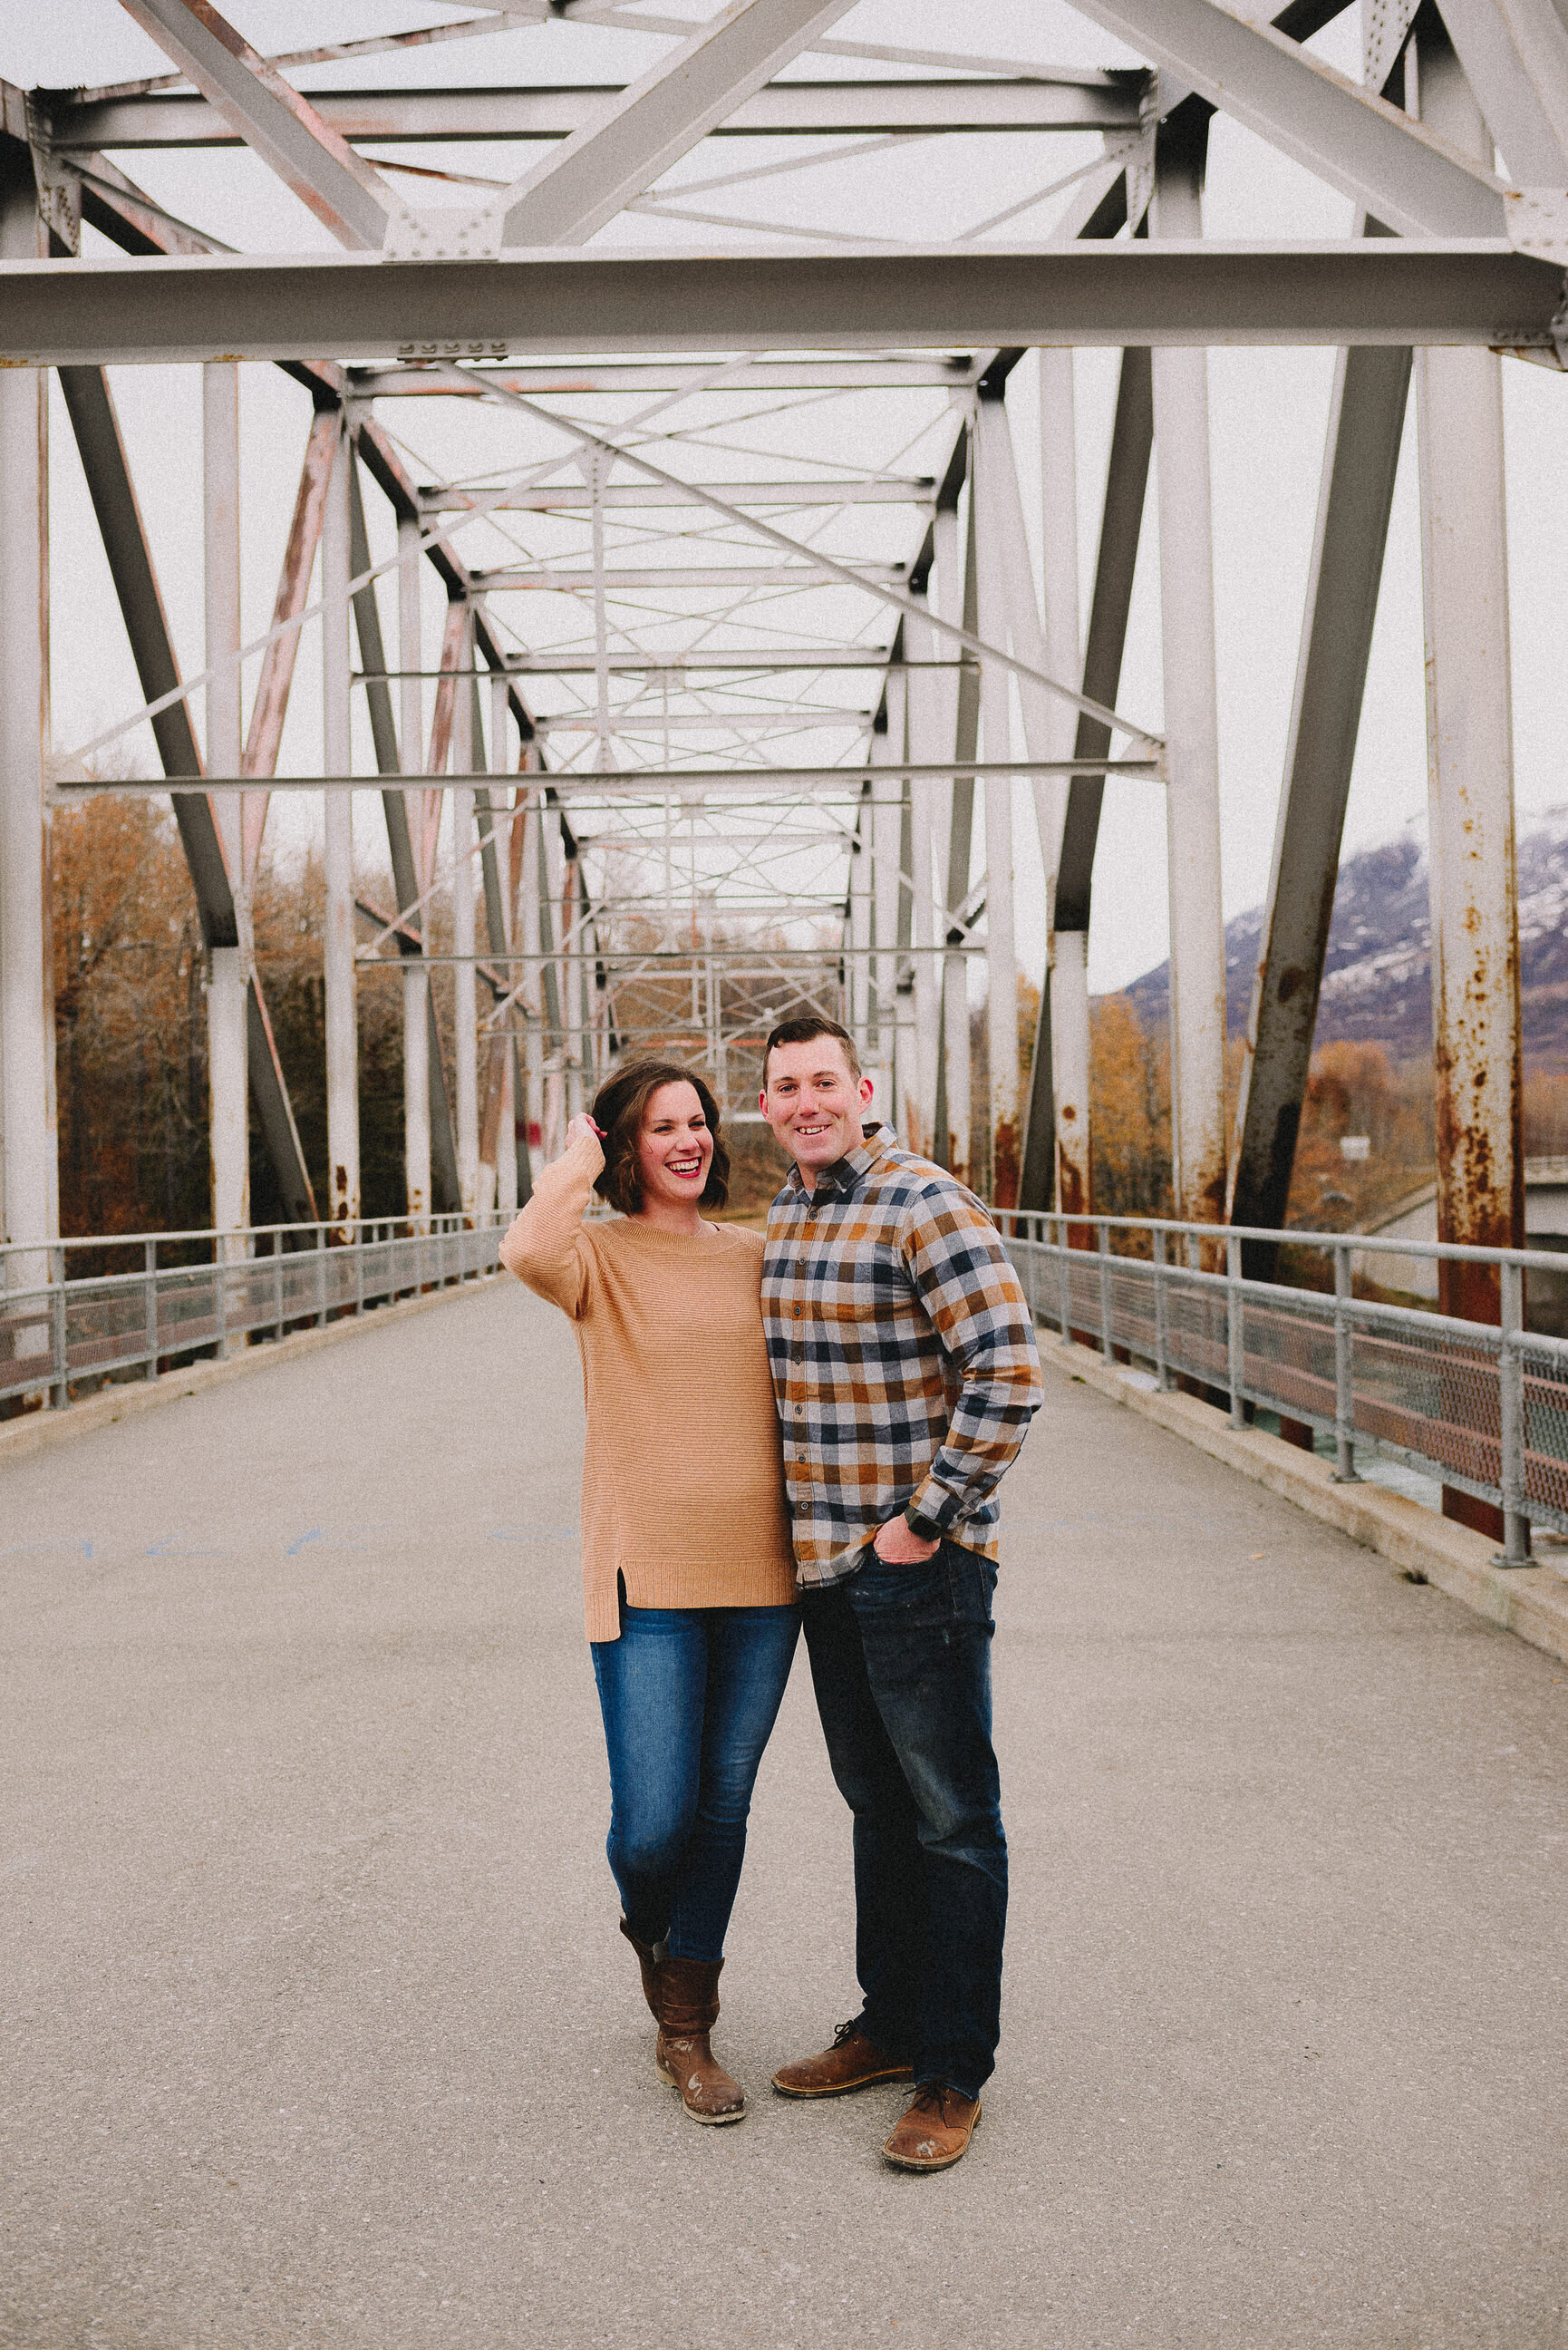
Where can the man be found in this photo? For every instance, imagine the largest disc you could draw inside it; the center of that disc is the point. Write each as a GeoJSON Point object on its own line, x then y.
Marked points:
{"type": "Point", "coordinates": [905, 1367]}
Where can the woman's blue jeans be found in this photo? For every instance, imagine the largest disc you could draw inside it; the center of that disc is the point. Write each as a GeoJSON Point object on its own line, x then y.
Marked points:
{"type": "Point", "coordinates": [688, 1696]}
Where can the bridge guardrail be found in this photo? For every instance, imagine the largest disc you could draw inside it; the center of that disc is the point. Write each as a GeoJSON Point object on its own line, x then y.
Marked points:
{"type": "Point", "coordinates": [1481, 1406]}
{"type": "Point", "coordinates": [265, 1282]}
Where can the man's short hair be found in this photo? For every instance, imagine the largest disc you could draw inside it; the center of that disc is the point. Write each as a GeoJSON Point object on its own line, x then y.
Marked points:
{"type": "Point", "coordinates": [805, 1030]}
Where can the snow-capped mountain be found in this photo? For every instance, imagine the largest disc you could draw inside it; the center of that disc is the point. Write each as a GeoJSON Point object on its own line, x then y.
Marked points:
{"type": "Point", "coordinates": [1376, 979]}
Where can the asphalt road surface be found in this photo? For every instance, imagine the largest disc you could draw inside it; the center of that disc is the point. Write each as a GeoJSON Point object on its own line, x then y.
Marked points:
{"type": "Point", "coordinates": [317, 2031]}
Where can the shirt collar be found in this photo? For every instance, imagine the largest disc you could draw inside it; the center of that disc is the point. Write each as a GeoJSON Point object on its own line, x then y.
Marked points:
{"type": "Point", "coordinates": [845, 1173]}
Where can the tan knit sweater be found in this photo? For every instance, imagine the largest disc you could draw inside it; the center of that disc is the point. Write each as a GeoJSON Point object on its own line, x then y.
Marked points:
{"type": "Point", "coordinates": [682, 1475]}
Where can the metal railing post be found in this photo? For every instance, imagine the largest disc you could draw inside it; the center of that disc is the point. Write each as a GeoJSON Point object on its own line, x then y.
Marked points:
{"type": "Point", "coordinates": [1235, 1333]}
{"type": "Point", "coordinates": [277, 1281]}
{"type": "Point", "coordinates": [320, 1277]}
{"type": "Point", "coordinates": [1515, 1549]}
{"type": "Point", "coordinates": [1161, 1368]}
{"type": "Point", "coordinates": [1107, 1349]}
{"type": "Point", "coordinates": [1344, 1469]}
{"type": "Point", "coordinates": [220, 1298]}
{"type": "Point", "coordinates": [1063, 1282]}
{"type": "Point", "coordinates": [359, 1247]}
{"type": "Point", "coordinates": [149, 1304]}
{"type": "Point", "coordinates": [60, 1392]}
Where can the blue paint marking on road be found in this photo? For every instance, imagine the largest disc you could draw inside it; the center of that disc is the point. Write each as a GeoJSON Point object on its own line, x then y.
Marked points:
{"type": "Point", "coordinates": [81, 1544]}
{"type": "Point", "coordinates": [336, 1537]}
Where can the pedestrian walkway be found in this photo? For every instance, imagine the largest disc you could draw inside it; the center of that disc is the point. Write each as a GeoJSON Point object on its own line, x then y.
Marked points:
{"type": "Point", "coordinates": [317, 2033]}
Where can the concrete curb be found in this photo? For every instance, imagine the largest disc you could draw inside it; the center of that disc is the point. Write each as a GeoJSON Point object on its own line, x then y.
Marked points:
{"type": "Point", "coordinates": [1531, 1601]}
{"type": "Point", "coordinates": [19, 1439]}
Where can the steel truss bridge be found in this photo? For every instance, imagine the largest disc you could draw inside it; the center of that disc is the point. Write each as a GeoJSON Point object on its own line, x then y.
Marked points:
{"type": "Point", "coordinates": [718, 677]}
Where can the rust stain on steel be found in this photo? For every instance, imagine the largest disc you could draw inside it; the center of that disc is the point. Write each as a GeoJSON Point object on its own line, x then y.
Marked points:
{"type": "Point", "coordinates": [271, 705]}
{"type": "Point", "coordinates": [1074, 1191]}
{"type": "Point", "coordinates": [1005, 1163]}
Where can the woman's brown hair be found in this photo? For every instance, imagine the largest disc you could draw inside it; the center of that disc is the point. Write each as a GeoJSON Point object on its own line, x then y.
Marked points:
{"type": "Point", "coordinates": [620, 1107]}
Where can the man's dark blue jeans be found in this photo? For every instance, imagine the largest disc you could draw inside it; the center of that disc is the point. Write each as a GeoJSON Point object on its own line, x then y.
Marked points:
{"type": "Point", "coordinates": [900, 1659]}
{"type": "Point", "coordinates": [688, 1696]}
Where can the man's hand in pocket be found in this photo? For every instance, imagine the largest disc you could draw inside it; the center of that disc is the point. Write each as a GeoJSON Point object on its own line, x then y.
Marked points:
{"type": "Point", "coordinates": [897, 1544]}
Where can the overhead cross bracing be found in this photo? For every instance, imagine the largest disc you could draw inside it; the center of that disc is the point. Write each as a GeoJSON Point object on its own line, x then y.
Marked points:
{"type": "Point", "coordinates": [660, 428]}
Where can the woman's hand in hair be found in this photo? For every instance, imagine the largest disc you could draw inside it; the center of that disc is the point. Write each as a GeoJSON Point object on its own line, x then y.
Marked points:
{"type": "Point", "coordinates": [583, 1130]}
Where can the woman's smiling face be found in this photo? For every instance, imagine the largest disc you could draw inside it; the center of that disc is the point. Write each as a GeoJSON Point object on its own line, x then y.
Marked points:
{"type": "Point", "coordinates": [675, 1149]}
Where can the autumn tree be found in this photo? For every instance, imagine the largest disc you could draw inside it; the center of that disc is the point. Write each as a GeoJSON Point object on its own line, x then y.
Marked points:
{"type": "Point", "coordinates": [1129, 1112]}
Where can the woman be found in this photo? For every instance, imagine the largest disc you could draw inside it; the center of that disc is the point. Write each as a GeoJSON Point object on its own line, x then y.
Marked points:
{"type": "Point", "coordinates": [688, 1573]}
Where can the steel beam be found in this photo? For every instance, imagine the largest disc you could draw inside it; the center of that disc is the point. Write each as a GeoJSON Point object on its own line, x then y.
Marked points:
{"type": "Point", "coordinates": [728, 577]}
{"type": "Point", "coordinates": [1191, 723]}
{"type": "Point", "coordinates": [96, 427]}
{"type": "Point", "coordinates": [790, 109]}
{"type": "Point", "coordinates": [346, 195]}
{"type": "Point", "coordinates": [29, 1157]}
{"type": "Point", "coordinates": [227, 966]}
{"type": "Point", "coordinates": [131, 310]}
{"type": "Point", "coordinates": [1514, 54]}
{"type": "Point", "coordinates": [342, 1022]}
{"type": "Point", "coordinates": [992, 485]}
{"type": "Point", "coordinates": [572, 497]}
{"type": "Point", "coordinates": [1366, 418]}
{"type": "Point", "coordinates": [1469, 729]}
{"type": "Point", "coordinates": [876, 373]}
{"type": "Point", "coordinates": [631, 139]}
{"type": "Point", "coordinates": [427, 1121]}
{"type": "Point", "coordinates": [955, 1106]}
{"type": "Point", "coordinates": [1368, 150]}
{"type": "Point", "coordinates": [1056, 1139]}
{"type": "Point", "coordinates": [465, 1014]}
{"type": "Point", "coordinates": [1121, 525]}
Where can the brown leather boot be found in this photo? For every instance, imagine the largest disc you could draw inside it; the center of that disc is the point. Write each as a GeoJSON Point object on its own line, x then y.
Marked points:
{"type": "Point", "coordinates": [687, 2011]}
{"type": "Point", "coordinates": [852, 2063]}
{"type": "Point", "coordinates": [934, 2130]}
{"type": "Point", "coordinates": [650, 1957]}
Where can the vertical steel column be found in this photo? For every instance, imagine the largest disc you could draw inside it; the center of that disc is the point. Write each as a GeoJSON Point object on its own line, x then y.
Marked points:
{"type": "Point", "coordinates": [28, 1149]}
{"type": "Point", "coordinates": [996, 720]}
{"type": "Point", "coordinates": [1469, 776]}
{"type": "Point", "coordinates": [228, 974]}
{"type": "Point", "coordinates": [416, 979]}
{"type": "Point", "coordinates": [506, 1172]}
{"type": "Point", "coordinates": [887, 826]}
{"type": "Point", "coordinates": [531, 855]}
{"type": "Point", "coordinates": [558, 996]}
{"type": "Point", "coordinates": [859, 914]}
{"type": "Point", "coordinates": [1192, 717]}
{"type": "Point", "coordinates": [341, 1005]}
{"type": "Point", "coordinates": [919, 1106]}
{"type": "Point", "coordinates": [1062, 1048]}
{"type": "Point", "coordinates": [955, 1068]}
{"type": "Point", "coordinates": [1121, 522]}
{"type": "Point", "coordinates": [465, 1002]}
{"type": "Point", "coordinates": [1366, 416]}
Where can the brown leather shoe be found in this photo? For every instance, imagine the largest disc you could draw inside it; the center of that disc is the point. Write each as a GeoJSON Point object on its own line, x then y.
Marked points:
{"type": "Point", "coordinates": [852, 2063]}
{"type": "Point", "coordinates": [688, 1993]}
{"type": "Point", "coordinates": [650, 1956]}
{"type": "Point", "coordinates": [935, 2130]}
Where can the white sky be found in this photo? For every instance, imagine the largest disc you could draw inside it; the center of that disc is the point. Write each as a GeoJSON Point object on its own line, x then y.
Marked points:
{"type": "Point", "coordinates": [1268, 411]}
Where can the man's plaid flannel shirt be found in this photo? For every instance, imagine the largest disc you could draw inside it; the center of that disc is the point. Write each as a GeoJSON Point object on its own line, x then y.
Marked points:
{"type": "Point", "coordinates": [903, 1355]}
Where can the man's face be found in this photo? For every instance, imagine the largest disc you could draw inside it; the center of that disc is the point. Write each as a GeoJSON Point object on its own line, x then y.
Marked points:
{"type": "Point", "coordinates": [814, 1102]}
